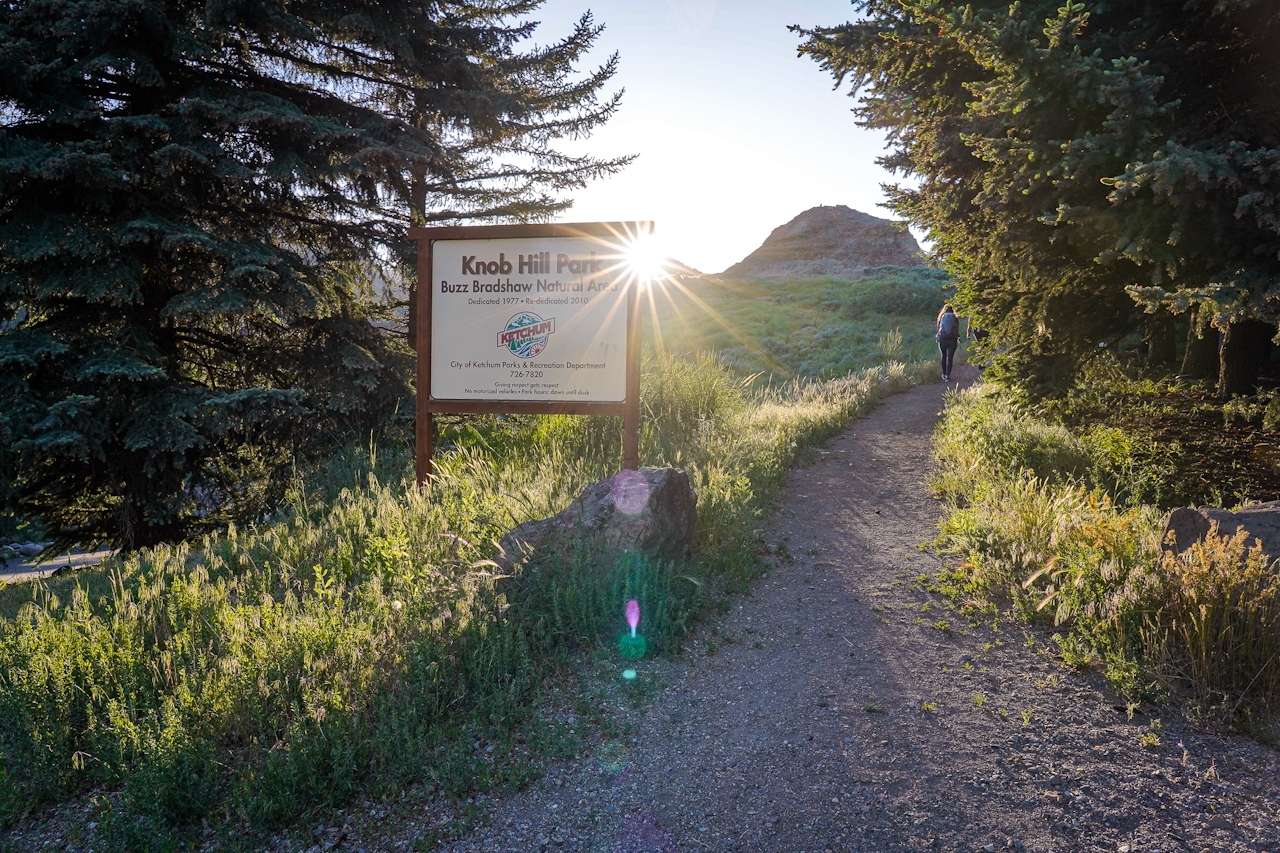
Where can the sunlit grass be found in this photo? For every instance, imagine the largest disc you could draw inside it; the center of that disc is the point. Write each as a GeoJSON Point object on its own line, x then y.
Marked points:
{"type": "Point", "coordinates": [816, 328]}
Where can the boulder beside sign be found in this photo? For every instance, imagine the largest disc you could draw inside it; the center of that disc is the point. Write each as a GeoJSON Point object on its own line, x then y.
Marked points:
{"type": "Point", "coordinates": [652, 511]}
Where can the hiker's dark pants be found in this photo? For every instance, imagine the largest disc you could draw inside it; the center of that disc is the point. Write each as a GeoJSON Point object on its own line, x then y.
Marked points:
{"type": "Point", "coordinates": [947, 346]}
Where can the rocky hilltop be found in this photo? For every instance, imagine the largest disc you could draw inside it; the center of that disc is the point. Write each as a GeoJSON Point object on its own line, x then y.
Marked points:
{"type": "Point", "coordinates": [828, 241]}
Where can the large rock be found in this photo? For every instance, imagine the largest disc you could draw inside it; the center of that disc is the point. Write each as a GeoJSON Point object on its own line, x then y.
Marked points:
{"type": "Point", "coordinates": [829, 241]}
{"type": "Point", "coordinates": [653, 511]}
{"type": "Point", "coordinates": [1260, 521]}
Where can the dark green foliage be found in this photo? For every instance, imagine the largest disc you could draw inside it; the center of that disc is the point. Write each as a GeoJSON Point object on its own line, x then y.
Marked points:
{"type": "Point", "coordinates": [192, 199]}
{"type": "Point", "coordinates": [1074, 161]}
{"type": "Point", "coordinates": [908, 292]}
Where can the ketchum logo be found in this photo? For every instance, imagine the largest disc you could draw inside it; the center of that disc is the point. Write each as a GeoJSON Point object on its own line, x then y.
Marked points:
{"type": "Point", "coordinates": [526, 334]}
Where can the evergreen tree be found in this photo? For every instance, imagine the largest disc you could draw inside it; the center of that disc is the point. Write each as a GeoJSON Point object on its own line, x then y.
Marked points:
{"type": "Point", "coordinates": [1079, 163]}
{"type": "Point", "coordinates": [191, 195]}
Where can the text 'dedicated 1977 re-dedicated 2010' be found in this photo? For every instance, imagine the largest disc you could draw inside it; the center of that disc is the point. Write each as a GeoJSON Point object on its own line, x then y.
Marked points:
{"type": "Point", "coordinates": [528, 319]}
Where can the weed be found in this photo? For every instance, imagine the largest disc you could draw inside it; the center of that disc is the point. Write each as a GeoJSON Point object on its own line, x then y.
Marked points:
{"type": "Point", "coordinates": [979, 700]}
{"type": "Point", "coordinates": [872, 708]}
{"type": "Point", "coordinates": [1151, 738]}
{"type": "Point", "coordinates": [929, 707]}
{"type": "Point", "coordinates": [1026, 717]}
{"type": "Point", "coordinates": [1216, 631]}
{"type": "Point", "coordinates": [817, 328]}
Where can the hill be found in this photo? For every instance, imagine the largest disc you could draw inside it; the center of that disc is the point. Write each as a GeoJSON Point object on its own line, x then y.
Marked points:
{"type": "Point", "coordinates": [825, 241]}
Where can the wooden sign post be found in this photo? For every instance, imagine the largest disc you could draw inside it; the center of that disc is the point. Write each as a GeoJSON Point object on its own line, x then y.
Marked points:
{"type": "Point", "coordinates": [528, 319]}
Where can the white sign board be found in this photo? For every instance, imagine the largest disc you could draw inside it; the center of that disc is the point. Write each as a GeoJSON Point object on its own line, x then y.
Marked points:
{"type": "Point", "coordinates": [531, 318]}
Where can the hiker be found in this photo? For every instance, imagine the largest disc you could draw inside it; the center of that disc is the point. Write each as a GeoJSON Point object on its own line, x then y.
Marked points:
{"type": "Point", "coordinates": [948, 338]}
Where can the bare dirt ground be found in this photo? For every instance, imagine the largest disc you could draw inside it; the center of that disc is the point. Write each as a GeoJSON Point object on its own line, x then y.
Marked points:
{"type": "Point", "coordinates": [831, 710]}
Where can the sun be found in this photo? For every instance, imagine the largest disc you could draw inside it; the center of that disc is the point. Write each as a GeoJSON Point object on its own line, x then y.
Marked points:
{"type": "Point", "coordinates": [644, 259]}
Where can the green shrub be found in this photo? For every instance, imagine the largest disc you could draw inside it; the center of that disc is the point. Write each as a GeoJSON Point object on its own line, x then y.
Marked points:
{"type": "Point", "coordinates": [814, 328]}
{"type": "Point", "coordinates": [910, 296]}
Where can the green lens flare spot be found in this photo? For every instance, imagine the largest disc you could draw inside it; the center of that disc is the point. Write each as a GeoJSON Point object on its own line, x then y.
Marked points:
{"type": "Point", "coordinates": [629, 674]}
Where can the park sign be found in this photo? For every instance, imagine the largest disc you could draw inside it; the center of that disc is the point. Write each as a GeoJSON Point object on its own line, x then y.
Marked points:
{"type": "Point", "coordinates": [527, 319]}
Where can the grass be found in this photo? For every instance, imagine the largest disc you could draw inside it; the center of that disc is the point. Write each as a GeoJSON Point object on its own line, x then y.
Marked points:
{"type": "Point", "coordinates": [814, 329]}
{"type": "Point", "coordinates": [1060, 521]}
{"type": "Point", "coordinates": [361, 642]}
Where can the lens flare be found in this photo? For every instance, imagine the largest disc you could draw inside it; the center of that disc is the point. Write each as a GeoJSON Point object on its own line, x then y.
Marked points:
{"type": "Point", "coordinates": [630, 492]}
{"type": "Point", "coordinates": [631, 646]}
{"type": "Point", "coordinates": [644, 260]}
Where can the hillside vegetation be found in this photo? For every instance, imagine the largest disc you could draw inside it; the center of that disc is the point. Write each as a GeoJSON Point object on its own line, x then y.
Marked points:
{"type": "Point", "coordinates": [360, 641]}
{"type": "Point", "coordinates": [1056, 511]}
{"type": "Point", "coordinates": [813, 328]}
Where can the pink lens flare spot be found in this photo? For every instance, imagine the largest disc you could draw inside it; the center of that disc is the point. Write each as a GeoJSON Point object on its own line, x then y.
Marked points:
{"type": "Point", "coordinates": [633, 615]}
{"type": "Point", "coordinates": [630, 492]}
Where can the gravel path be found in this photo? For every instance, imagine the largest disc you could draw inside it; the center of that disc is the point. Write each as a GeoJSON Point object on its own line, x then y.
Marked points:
{"type": "Point", "coordinates": [835, 715]}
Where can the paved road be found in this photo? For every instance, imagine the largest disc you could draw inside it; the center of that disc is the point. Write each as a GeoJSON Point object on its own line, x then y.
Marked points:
{"type": "Point", "coordinates": [16, 571]}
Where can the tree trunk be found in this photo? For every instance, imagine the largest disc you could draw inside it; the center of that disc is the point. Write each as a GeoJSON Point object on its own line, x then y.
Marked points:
{"type": "Point", "coordinates": [1244, 348]}
{"type": "Point", "coordinates": [1201, 357]}
{"type": "Point", "coordinates": [1162, 346]}
{"type": "Point", "coordinates": [142, 498]}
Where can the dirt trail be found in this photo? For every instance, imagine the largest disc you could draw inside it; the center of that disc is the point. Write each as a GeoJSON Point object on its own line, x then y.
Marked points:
{"type": "Point", "coordinates": [835, 716]}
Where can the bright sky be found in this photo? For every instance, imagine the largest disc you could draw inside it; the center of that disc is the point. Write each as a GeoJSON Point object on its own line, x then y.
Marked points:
{"type": "Point", "coordinates": [736, 134]}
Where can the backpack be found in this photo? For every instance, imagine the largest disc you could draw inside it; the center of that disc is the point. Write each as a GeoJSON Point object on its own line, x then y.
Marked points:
{"type": "Point", "coordinates": [949, 326]}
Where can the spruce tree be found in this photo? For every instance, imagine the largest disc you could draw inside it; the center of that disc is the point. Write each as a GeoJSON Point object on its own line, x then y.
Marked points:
{"type": "Point", "coordinates": [191, 198]}
{"type": "Point", "coordinates": [1080, 164]}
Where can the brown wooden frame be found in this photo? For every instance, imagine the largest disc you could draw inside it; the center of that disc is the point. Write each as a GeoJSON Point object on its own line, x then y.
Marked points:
{"type": "Point", "coordinates": [628, 410]}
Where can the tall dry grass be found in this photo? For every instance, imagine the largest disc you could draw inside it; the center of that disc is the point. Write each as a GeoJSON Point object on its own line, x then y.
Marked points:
{"type": "Point", "coordinates": [1214, 631]}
